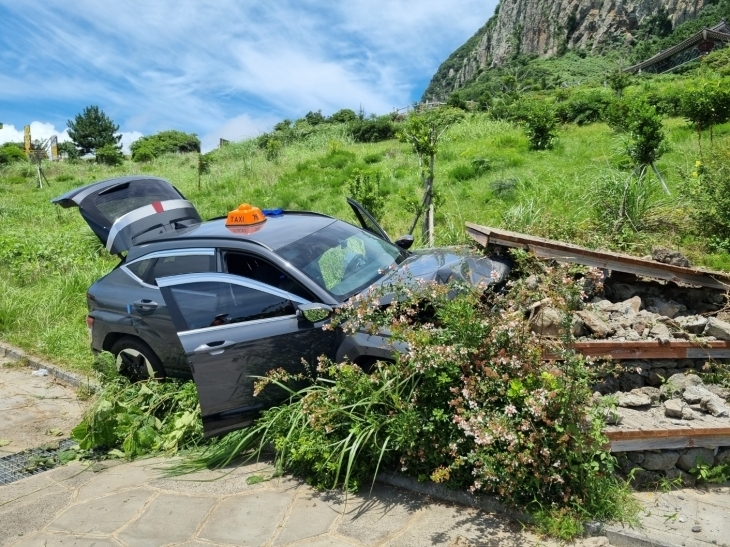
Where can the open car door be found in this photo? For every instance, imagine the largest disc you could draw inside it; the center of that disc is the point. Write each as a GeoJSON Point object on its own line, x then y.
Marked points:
{"type": "Point", "coordinates": [367, 221]}
{"type": "Point", "coordinates": [234, 330]}
{"type": "Point", "coordinates": [119, 210]}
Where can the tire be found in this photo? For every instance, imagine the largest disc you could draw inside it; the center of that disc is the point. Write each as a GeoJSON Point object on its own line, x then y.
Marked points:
{"type": "Point", "coordinates": [136, 360]}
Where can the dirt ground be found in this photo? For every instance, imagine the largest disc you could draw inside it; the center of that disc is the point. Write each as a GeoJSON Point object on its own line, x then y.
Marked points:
{"type": "Point", "coordinates": [34, 410]}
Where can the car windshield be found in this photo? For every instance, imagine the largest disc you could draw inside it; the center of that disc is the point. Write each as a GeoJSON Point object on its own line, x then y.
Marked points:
{"type": "Point", "coordinates": [342, 259]}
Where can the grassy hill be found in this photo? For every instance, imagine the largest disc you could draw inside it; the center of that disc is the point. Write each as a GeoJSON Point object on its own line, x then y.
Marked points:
{"type": "Point", "coordinates": [485, 173]}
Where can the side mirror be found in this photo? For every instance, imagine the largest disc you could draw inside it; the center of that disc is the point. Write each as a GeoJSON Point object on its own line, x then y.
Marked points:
{"type": "Point", "coordinates": [314, 313]}
{"type": "Point", "coordinates": [404, 242]}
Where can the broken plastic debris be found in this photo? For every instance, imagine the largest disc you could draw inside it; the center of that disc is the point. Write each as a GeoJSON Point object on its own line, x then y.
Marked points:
{"type": "Point", "coordinates": [40, 372]}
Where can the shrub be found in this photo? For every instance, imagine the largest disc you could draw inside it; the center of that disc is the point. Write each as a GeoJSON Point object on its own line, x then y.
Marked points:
{"type": "Point", "coordinates": [364, 187]}
{"type": "Point", "coordinates": [540, 125]}
{"type": "Point", "coordinates": [481, 165]}
{"type": "Point", "coordinates": [463, 172]}
{"type": "Point", "coordinates": [705, 107]}
{"type": "Point", "coordinates": [373, 158]}
{"type": "Point", "coordinates": [343, 116]}
{"type": "Point", "coordinates": [584, 106]}
{"type": "Point", "coordinates": [10, 153]}
{"type": "Point", "coordinates": [165, 142]}
{"type": "Point", "coordinates": [708, 189]}
{"type": "Point", "coordinates": [472, 404]}
{"type": "Point", "coordinates": [372, 130]}
{"type": "Point", "coordinates": [109, 154]}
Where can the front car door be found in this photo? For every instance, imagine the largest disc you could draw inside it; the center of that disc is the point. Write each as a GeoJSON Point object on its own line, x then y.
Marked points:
{"type": "Point", "coordinates": [234, 330]}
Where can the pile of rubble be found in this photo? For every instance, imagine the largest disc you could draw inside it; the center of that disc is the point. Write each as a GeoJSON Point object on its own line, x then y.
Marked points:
{"type": "Point", "coordinates": [682, 396]}
{"type": "Point", "coordinates": [633, 310]}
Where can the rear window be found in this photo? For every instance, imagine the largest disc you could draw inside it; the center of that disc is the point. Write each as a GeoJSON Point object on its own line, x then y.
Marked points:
{"type": "Point", "coordinates": [150, 269]}
{"type": "Point", "coordinates": [120, 200]}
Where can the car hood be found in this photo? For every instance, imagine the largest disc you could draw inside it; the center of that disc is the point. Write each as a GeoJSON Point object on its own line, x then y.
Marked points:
{"type": "Point", "coordinates": [448, 264]}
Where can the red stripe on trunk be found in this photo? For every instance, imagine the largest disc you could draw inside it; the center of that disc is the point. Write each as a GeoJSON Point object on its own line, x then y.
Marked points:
{"type": "Point", "coordinates": [157, 207]}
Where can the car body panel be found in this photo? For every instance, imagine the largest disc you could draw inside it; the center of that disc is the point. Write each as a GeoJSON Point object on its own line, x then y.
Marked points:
{"type": "Point", "coordinates": [227, 359]}
{"type": "Point", "coordinates": [121, 209]}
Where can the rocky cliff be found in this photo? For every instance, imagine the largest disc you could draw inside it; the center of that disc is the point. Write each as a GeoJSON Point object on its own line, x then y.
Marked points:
{"type": "Point", "coordinates": [549, 27]}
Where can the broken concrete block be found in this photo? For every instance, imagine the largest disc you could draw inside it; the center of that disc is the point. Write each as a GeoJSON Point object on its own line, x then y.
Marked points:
{"type": "Point", "coordinates": [667, 308]}
{"type": "Point", "coordinates": [693, 324]}
{"type": "Point", "coordinates": [667, 256]}
{"type": "Point", "coordinates": [547, 322]}
{"type": "Point", "coordinates": [694, 394]}
{"type": "Point", "coordinates": [674, 408]}
{"type": "Point", "coordinates": [717, 328]}
{"type": "Point", "coordinates": [632, 400]}
{"type": "Point", "coordinates": [595, 324]}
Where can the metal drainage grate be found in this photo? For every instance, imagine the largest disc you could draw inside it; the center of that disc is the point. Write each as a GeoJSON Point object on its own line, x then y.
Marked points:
{"type": "Point", "coordinates": [30, 462]}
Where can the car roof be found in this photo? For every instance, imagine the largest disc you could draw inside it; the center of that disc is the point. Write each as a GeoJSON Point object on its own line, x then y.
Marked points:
{"type": "Point", "coordinates": [276, 232]}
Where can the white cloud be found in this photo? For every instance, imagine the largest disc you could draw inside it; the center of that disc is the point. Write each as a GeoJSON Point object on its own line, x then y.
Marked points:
{"type": "Point", "coordinates": [128, 137]}
{"type": "Point", "coordinates": [237, 129]}
{"type": "Point", "coordinates": [38, 131]}
{"type": "Point", "coordinates": [219, 65]}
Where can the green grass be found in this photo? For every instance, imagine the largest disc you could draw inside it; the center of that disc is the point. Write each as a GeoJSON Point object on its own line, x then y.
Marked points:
{"type": "Point", "coordinates": [48, 256]}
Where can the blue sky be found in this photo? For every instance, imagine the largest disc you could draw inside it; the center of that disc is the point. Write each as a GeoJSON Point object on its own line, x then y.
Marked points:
{"type": "Point", "coordinates": [220, 68]}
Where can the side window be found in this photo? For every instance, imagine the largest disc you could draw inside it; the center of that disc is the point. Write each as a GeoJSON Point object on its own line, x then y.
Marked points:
{"type": "Point", "coordinates": [255, 268]}
{"type": "Point", "coordinates": [176, 265]}
{"type": "Point", "coordinates": [141, 268]}
{"type": "Point", "coordinates": [213, 303]}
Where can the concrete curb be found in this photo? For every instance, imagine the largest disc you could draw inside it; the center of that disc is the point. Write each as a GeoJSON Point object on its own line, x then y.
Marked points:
{"type": "Point", "coordinates": [437, 491]}
{"type": "Point", "coordinates": [69, 378]}
{"type": "Point", "coordinates": [621, 537]}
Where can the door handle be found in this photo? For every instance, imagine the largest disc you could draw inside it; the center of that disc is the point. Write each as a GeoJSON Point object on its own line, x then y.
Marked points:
{"type": "Point", "coordinates": [214, 348]}
{"type": "Point", "coordinates": [145, 304]}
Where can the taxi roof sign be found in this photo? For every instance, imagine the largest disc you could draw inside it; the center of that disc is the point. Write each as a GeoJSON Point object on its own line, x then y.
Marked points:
{"type": "Point", "coordinates": [245, 215]}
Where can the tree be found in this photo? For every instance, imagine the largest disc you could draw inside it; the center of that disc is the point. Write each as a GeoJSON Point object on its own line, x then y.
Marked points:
{"type": "Point", "coordinates": [646, 137]}
{"type": "Point", "coordinates": [424, 131]}
{"type": "Point", "coordinates": [618, 80]}
{"type": "Point", "coordinates": [705, 107]}
{"type": "Point", "coordinates": [541, 124]}
{"type": "Point", "coordinates": [343, 116]}
{"type": "Point", "coordinates": [92, 130]}
{"type": "Point", "coordinates": [68, 148]}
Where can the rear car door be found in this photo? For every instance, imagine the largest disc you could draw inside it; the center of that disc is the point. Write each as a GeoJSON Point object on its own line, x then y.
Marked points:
{"type": "Point", "coordinates": [121, 209]}
{"type": "Point", "coordinates": [233, 330]}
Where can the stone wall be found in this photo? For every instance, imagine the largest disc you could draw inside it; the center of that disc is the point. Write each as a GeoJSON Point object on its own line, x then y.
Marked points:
{"type": "Point", "coordinates": [649, 467]}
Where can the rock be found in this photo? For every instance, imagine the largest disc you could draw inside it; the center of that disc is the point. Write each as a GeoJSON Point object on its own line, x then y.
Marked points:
{"type": "Point", "coordinates": [688, 413]}
{"type": "Point", "coordinates": [722, 456]}
{"type": "Point", "coordinates": [693, 324]}
{"type": "Point", "coordinates": [657, 376]}
{"type": "Point", "coordinates": [697, 528]}
{"type": "Point", "coordinates": [532, 282]}
{"type": "Point", "coordinates": [660, 331]}
{"type": "Point", "coordinates": [686, 479]}
{"type": "Point", "coordinates": [594, 324]}
{"type": "Point", "coordinates": [629, 381]}
{"type": "Point", "coordinates": [598, 541]}
{"type": "Point", "coordinates": [667, 256]}
{"type": "Point", "coordinates": [547, 322]}
{"type": "Point", "coordinates": [720, 391]}
{"type": "Point", "coordinates": [627, 307]}
{"type": "Point", "coordinates": [601, 303]}
{"type": "Point", "coordinates": [660, 461]}
{"type": "Point", "coordinates": [692, 456]}
{"type": "Point", "coordinates": [640, 328]}
{"type": "Point", "coordinates": [644, 478]}
{"type": "Point", "coordinates": [677, 383]}
{"type": "Point", "coordinates": [694, 394]}
{"type": "Point", "coordinates": [636, 457]}
{"type": "Point", "coordinates": [578, 327]}
{"type": "Point", "coordinates": [715, 406]}
{"type": "Point", "coordinates": [632, 400]}
{"type": "Point", "coordinates": [609, 384]}
{"type": "Point", "coordinates": [620, 292]}
{"type": "Point", "coordinates": [652, 392]}
{"type": "Point", "coordinates": [717, 328]}
{"type": "Point", "coordinates": [664, 307]}
{"type": "Point", "coordinates": [674, 408]}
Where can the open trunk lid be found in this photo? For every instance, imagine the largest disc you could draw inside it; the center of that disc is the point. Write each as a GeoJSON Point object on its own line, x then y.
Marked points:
{"type": "Point", "coordinates": [121, 209]}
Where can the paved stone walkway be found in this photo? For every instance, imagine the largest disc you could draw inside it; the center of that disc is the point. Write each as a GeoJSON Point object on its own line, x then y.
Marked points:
{"type": "Point", "coordinates": [689, 517]}
{"type": "Point", "coordinates": [132, 504]}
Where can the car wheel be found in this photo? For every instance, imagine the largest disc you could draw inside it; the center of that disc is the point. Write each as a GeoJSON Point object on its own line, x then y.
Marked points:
{"type": "Point", "coordinates": [136, 360]}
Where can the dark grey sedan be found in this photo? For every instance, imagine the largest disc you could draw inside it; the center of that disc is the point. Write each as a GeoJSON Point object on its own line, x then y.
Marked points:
{"type": "Point", "coordinates": [227, 303]}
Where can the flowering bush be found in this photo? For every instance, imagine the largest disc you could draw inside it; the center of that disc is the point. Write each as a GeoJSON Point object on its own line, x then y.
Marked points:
{"type": "Point", "coordinates": [472, 403]}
